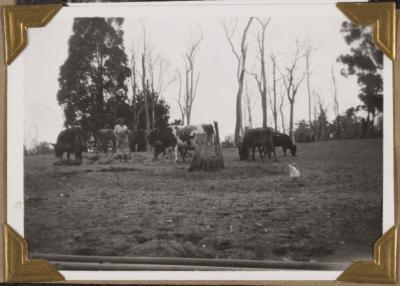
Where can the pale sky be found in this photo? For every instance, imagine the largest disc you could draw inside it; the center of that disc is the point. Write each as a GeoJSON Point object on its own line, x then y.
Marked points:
{"type": "Point", "coordinates": [215, 100]}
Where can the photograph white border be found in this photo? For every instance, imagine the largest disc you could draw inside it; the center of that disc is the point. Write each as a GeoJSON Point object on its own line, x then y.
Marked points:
{"type": "Point", "coordinates": [15, 92]}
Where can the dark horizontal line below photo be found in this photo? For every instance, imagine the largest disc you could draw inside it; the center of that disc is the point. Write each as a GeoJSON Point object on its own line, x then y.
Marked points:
{"type": "Point", "coordinates": [115, 263]}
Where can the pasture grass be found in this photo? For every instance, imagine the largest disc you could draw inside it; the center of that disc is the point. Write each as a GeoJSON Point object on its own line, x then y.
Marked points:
{"type": "Point", "coordinates": [249, 210]}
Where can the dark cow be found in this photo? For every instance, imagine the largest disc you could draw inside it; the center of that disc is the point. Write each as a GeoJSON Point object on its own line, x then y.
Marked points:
{"type": "Point", "coordinates": [137, 140]}
{"type": "Point", "coordinates": [260, 138]}
{"type": "Point", "coordinates": [70, 141]}
{"type": "Point", "coordinates": [162, 139]}
{"type": "Point", "coordinates": [284, 141]}
{"type": "Point", "coordinates": [102, 138]}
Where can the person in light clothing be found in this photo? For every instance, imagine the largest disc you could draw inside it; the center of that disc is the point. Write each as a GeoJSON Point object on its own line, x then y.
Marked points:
{"type": "Point", "coordinates": [121, 133]}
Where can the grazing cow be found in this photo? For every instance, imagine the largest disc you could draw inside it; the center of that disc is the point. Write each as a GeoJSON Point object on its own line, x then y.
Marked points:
{"type": "Point", "coordinates": [284, 141]}
{"type": "Point", "coordinates": [102, 138]}
{"type": "Point", "coordinates": [187, 133]}
{"type": "Point", "coordinates": [260, 138]}
{"type": "Point", "coordinates": [178, 138]}
{"type": "Point", "coordinates": [70, 141]}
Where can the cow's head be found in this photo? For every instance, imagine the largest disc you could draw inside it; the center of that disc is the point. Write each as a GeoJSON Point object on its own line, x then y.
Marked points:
{"type": "Point", "coordinates": [243, 152]}
{"type": "Point", "coordinates": [187, 137]}
{"type": "Point", "coordinates": [57, 150]}
{"type": "Point", "coordinates": [158, 149]}
{"type": "Point", "coordinates": [153, 137]}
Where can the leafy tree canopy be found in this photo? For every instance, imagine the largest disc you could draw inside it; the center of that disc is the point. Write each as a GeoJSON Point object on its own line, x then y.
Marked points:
{"type": "Point", "coordinates": [95, 71]}
{"type": "Point", "coordinates": [365, 61]}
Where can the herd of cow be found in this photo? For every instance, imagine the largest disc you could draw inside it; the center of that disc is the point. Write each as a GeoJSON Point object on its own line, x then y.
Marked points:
{"type": "Point", "coordinates": [173, 139]}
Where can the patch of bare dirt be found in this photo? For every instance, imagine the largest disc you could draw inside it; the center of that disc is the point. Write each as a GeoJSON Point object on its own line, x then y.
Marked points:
{"type": "Point", "coordinates": [249, 210]}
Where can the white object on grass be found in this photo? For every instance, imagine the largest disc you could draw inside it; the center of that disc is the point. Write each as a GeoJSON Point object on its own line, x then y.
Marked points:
{"type": "Point", "coordinates": [294, 173]}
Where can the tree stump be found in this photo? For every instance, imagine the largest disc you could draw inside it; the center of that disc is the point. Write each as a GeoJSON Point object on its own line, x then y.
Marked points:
{"type": "Point", "coordinates": [208, 153]}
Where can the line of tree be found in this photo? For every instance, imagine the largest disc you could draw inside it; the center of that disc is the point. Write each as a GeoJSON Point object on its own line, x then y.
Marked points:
{"type": "Point", "coordinates": [365, 62]}
{"type": "Point", "coordinates": [279, 81]}
{"type": "Point", "coordinates": [285, 82]}
{"type": "Point", "coordinates": [95, 77]}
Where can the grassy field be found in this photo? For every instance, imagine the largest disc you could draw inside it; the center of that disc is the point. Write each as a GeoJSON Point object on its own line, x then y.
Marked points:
{"type": "Point", "coordinates": [249, 210]}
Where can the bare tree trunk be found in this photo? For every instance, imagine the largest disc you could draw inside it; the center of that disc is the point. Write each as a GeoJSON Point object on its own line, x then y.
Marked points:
{"type": "Point", "coordinates": [274, 111]}
{"type": "Point", "coordinates": [292, 85]}
{"type": "Point", "coordinates": [134, 87]}
{"type": "Point", "coordinates": [264, 86]}
{"type": "Point", "coordinates": [153, 117]}
{"type": "Point", "coordinates": [191, 77]}
{"type": "Point", "coordinates": [188, 117]}
{"type": "Point", "coordinates": [283, 121]}
{"type": "Point", "coordinates": [291, 131]}
{"type": "Point", "coordinates": [335, 104]}
{"type": "Point", "coordinates": [187, 97]}
{"type": "Point", "coordinates": [241, 69]}
{"type": "Point", "coordinates": [264, 108]}
{"type": "Point", "coordinates": [145, 92]}
{"type": "Point", "coordinates": [315, 127]}
{"type": "Point", "coordinates": [181, 108]}
{"type": "Point", "coordinates": [239, 119]}
{"type": "Point", "coordinates": [248, 107]}
{"type": "Point", "coordinates": [281, 112]}
{"type": "Point", "coordinates": [262, 81]}
{"type": "Point", "coordinates": [308, 87]}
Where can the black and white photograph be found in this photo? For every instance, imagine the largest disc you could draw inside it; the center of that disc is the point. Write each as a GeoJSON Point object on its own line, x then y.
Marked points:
{"type": "Point", "coordinates": [251, 135]}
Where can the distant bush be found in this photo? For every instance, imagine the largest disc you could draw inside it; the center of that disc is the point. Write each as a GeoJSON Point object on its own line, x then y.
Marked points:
{"type": "Point", "coordinates": [304, 132]}
{"type": "Point", "coordinates": [227, 144]}
{"type": "Point", "coordinates": [351, 125]}
{"type": "Point", "coordinates": [39, 149]}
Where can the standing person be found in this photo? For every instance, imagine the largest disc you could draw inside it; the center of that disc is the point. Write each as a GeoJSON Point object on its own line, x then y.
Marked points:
{"type": "Point", "coordinates": [121, 133]}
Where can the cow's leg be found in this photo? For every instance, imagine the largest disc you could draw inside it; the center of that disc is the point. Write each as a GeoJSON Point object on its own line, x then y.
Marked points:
{"type": "Point", "coordinates": [183, 154]}
{"type": "Point", "coordinates": [176, 153]}
{"type": "Point", "coordinates": [182, 151]}
{"type": "Point", "coordinates": [104, 147]}
{"type": "Point", "coordinates": [78, 157]}
{"type": "Point", "coordinates": [98, 146]}
{"type": "Point", "coordinates": [68, 155]}
{"type": "Point", "coordinates": [284, 151]}
{"type": "Point", "coordinates": [261, 151]}
{"type": "Point", "coordinates": [273, 151]}
{"type": "Point", "coordinates": [119, 154]}
{"type": "Point", "coordinates": [114, 148]}
{"type": "Point", "coordinates": [253, 151]}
